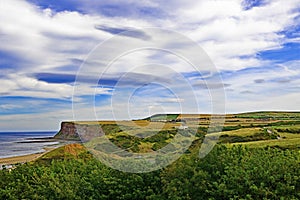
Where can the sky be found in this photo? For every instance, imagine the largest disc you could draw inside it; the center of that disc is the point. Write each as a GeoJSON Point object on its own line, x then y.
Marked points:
{"type": "Point", "coordinates": [88, 60]}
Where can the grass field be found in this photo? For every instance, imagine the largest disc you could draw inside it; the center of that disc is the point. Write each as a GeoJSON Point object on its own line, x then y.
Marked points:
{"type": "Point", "coordinates": [257, 158]}
{"type": "Point", "coordinates": [291, 143]}
{"type": "Point", "coordinates": [256, 129]}
{"type": "Point", "coordinates": [125, 139]}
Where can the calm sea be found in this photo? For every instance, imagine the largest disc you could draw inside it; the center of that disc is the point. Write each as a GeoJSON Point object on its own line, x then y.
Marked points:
{"type": "Point", "coordinates": [24, 143]}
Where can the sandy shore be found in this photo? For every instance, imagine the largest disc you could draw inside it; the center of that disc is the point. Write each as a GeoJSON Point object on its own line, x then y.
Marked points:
{"type": "Point", "coordinates": [19, 159]}
{"type": "Point", "coordinates": [23, 159]}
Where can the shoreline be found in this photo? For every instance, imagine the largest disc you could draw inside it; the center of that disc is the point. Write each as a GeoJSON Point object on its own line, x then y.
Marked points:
{"type": "Point", "coordinates": [12, 160]}
{"type": "Point", "coordinates": [24, 158]}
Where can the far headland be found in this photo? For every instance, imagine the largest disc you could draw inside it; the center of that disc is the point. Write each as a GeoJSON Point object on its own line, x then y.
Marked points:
{"type": "Point", "coordinates": [69, 129]}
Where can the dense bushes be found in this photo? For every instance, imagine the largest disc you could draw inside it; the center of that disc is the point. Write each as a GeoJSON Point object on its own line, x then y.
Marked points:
{"type": "Point", "coordinates": [289, 130]}
{"type": "Point", "coordinates": [75, 179]}
{"type": "Point", "coordinates": [235, 173]}
{"type": "Point", "coordinates": [225, 173]}
{"type": "Point", "coordinates": [264, 134]}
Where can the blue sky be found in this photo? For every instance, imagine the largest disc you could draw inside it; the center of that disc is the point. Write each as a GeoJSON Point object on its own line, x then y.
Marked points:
{"type": "Point", "coordinates": [52, 58]}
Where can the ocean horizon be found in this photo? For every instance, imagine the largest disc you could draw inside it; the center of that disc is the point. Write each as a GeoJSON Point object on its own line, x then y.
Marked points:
{"type": "Point", "coordinates": [24, 143]}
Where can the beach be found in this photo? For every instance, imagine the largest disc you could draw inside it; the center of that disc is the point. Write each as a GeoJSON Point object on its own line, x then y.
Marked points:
{"type": "Point", "coordinates": [22, 147]}
{"type": "Point", "coordinates": [24, 158]}
{"type": "Point", "coordinates": [19, 159]}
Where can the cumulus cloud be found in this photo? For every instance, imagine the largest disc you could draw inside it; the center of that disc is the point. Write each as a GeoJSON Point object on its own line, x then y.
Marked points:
{"type": "Point", "coordinates": [231, 33]}
{"type": "Point", "coordinates": [44, 47]}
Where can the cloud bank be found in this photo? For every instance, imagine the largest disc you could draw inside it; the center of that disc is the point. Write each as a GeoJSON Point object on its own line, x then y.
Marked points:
{"type": "Point", "coordinates": [254, 45]}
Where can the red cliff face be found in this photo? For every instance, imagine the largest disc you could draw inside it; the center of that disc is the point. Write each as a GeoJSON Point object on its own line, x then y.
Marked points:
{"type": "Point", "coordinates": [67, 131]}
{"type": "Point", "coordinates": [78, 131]}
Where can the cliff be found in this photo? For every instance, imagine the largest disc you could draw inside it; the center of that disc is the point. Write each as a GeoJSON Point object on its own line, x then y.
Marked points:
{"type": "Point", "coordinates": [67, 131]}
{"type": "Point", "coordinates": [83, 131]}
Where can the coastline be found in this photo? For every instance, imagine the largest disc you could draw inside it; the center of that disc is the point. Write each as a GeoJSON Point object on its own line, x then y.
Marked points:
{"type": "Point", "coordinates": [24, 158]}
{"type": "Point", "coordinates": [13, 160]}
{"type": "Point", "coordinates": [43, 142]}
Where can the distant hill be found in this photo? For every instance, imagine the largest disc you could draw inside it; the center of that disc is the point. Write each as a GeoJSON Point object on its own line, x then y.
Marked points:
{"type": "Point", "coordinates": [91, 129]}
{"type": "Point", "coordinates": [255, 129]}
{"type": "Point", "coordinates": [162, 117]}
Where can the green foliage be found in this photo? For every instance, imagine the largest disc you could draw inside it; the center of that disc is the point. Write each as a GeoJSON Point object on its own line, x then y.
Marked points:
{"type": "Point", "coordinates": [289, 130]}
{"type": "Point", "coordinates": [225, 173]}
{"type": "Point", "coordinates": [76, 179]}
{"type": "Point", "coordinates": [231, 128]}
{"type": "Point", "coordinates": [131, 143]}
{"type": "Point", "coordinates": [270, 115]}
{"type": "Point", "coordinates": [265, 134]}
{"type": "Point", "coordinates": [111, 128]}
{"type": "Point", "coordinates": [157, 117]}
{"type": "Point", "coordinates": [67, 152]}
{"type": "Point", "coordinates": [235, 173]}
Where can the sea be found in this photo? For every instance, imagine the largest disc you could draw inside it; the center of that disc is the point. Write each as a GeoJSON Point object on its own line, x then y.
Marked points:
{"type": "Point", "coordinates": [24, 143]}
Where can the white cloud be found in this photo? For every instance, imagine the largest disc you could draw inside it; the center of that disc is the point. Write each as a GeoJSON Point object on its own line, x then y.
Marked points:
{"type": "Point", "coordinates": [10, 106]}
{"type": "Point", "coordinates": [231, 31]}
{"type": "Point", "coordinates": [283, 102]}
{"type": "Point", "coordinates": [47, 41]}
{"type": "Point", "coordinates": [37, 121]}
{"type": "Point", "coordinates": [264, 89]}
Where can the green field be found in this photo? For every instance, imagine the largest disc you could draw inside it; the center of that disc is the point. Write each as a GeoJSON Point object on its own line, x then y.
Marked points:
{"type": "Point", "coordinates": [257, 157]}
{"type": "Point", "coordinates": [258, 129]}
